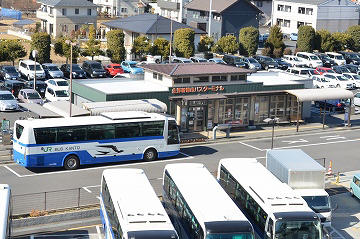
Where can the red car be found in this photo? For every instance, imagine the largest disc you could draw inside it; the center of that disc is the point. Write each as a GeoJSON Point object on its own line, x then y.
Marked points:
{"type": "Point", "coordinates": [113, 69]}
{"type": "Point", "coordinates": [323, 70]}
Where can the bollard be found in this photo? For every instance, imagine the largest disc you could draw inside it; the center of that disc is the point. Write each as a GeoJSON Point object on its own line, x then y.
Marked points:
{"type": "Point", "coordinates": [214, 132]}
{"type": "Point", "coordinates": [337, 178]}
{"type": "Point", "coordinates": [228, 132]}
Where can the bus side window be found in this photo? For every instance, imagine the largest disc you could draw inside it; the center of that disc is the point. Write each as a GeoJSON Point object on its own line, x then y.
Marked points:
{"type": "Point", "coordinates": [270, 227]}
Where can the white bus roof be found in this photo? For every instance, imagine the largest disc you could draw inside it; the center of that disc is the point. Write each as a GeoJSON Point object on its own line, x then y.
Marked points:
{"type": "Point", "coordinates": [270, 193]}
{"type": "Point", "coordinates": [135, 200]}
{"type": "Point", "coordinates": [204, 195]}
{"type": "Point", "coordinates": [4, 204]}
{"type": "Point", "coordinates": [105, 118]}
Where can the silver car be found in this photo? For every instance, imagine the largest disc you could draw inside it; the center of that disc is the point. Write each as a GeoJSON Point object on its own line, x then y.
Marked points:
{"type": "Point", "coordinates": [52, 71]}
{"type": "Point", "coordinates": [253, 64]}
{"type": "Point", "coordinates": [7, 101]}
{"type": "Point", "coordinates": [30, 96]}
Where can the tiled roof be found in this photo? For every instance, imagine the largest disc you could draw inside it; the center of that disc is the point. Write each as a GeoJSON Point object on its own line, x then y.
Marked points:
{"type": "Point", "coordinates": [68, 3]}
{"type": "Point", "coordinates": [188, 69]}
{"type": "Point", "coordinates": [217, 5]}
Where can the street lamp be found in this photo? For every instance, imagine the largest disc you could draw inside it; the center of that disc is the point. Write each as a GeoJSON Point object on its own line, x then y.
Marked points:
{"type": "Point", "coordinates": [71, 55]}
{"type": "Point", "coordinates": [34, 55]}
{"type": "Point", "coordinates": [272, 120]}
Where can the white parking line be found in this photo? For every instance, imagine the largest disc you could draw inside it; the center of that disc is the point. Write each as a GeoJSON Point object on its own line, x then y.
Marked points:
{"type": "Point", "coordinates": [88, 190]}
{"type": "Point", "coordinates": [98, 232]}
{"type": "Point", "coordinates": [251, 146]}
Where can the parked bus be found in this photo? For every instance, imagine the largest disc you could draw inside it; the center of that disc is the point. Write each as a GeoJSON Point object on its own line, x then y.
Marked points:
{"type": "Point", "coordinates": [5, 211]}
{"type": "Point", "coordinates": [110, 137]}
{"type": "Point", "coordinates": [199, 207]}
{"type": "Point", "coordinates": [275, 210]}
{"type": "Point", "coordinates": [130, 208]}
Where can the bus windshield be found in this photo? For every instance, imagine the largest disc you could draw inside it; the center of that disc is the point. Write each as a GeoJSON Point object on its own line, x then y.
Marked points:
{"type": "Point", "coordinates": [230, 236]}
{"type": "Point", "coordinates": [298, 229]}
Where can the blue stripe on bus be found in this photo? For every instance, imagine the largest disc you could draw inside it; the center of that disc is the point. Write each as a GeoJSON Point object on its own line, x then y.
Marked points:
{"type": "Point", "coordinates": [105, 141]}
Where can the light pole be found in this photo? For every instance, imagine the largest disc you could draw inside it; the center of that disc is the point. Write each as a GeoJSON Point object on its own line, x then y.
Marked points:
{"type": "Point", "coordinates": [272, 120]}
{"type": "Point", "coordinates": [210, 16]}
{"type": "Point", "coordinates": [171, 29]}
{"type": "Point", "coordinates": [71, 73]}
{"type": "Point", "coordinates": [34, 55]}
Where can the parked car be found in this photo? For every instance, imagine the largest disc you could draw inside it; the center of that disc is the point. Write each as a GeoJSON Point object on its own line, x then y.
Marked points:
{"type": "Point", "coordinates": [353, 68]}
{"type": "Point", "coordinates": [265, 36]}
{"type": "Point", "coordinates": [293, 61]}
{"type": "Point", "coordinates": [321, 82]}
{"type": "Point", "coordinates": [355, 78]}
{"type": "Point", "coordinates": [339, 80]}
{"type": "Point", "coordinates": [93, 69]}
{"type": "Point", "coordinates": [113, 69]}
{"type": "Point", "coordinates": [40, 87]}
{"type": "Point", "coordinates": [293, 36]}
{"type": "Point", "coordinates": [153, 59]}
{"type": "Point", "coordinates": [181, 60]}
{"type": "Point", "coordinates": [326, 60]}
{"type": "Point", "coordinates": [30, 96]}
{"type": "Point", "coordinates": [9, 73]}
{"type": "Point", "coordinates": [58, 84]}
{"type": "Point", "coordinates": [313, 72]}
{"type": "Point", "coordinates": [334, 105]}
{"type": "Point", "coordinates": [56, 94]}
{"type": "Point", "coordinates": [357, 100]}
{"type": "Point", "coordinates": [355, 186]}
{"type": "Point", "coordinates": [252, 63]}
{"type": "Point", "coordinates": [28, 70]}
{"type": "Point", "coordinates": [261, 38]}
{"type": "Point", "coordinates": [14, 86]}
{"type": "Point", "coordinates": [77, 71]}
{"type": "Point", "coordinates": [52, 71]}
{"type": "Point", "coordinates": [8, 101]}
{"type": "Point", "coordinates": [351, 57]}
{"type": "Point", "coordinates": [337, 57]}
{"type": "Point", "coordinates": [311, 60]}
{"type": "Point", "coordinates": [131, 67]}
{"type": "Point", "coordinates": [167, 62]}
{"type": "Point", "coordinates": [198, 59]}
{"type": "Point", "coordinates": [235, 61]}
{"type": "Point", "coordinates": [341, 69]}
{"type": "Point", "coordinates": [323, 70]}
{"type": "Point", "coordinates": [298, 71]}
{"type": "Point", "coordinates": [217, 60]}
{"type": "Point", "coordinates": [283, 65]}
{"type": "Point", "coordinates": [266, 62]}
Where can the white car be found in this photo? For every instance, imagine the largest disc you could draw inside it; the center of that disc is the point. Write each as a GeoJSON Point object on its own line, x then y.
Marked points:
{"type": "Point", "coordinates": [339, 80]}
{"type": "Point", "coordinates": [56, 94]}
{"type": "Point", "coordinates": [337, 57]}
{"type": "Point", "coordinates": [355, 78]}
{"type": "Point", "coordinates": [294, 61]}
{"type": "Point", "coordinates": [8, 101]}
{"type": "Point", "coordinates": [321, 82]}
{"type": "Point", "coordinates": [357, 99]}
{"type": "Point", "coordinates": [28, 70]}
{"type": "Point", "coordinates": [58, 84]}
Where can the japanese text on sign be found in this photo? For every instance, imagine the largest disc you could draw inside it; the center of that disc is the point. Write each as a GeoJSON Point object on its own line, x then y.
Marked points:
{"type": "Point", "coordinates": [197, 89]}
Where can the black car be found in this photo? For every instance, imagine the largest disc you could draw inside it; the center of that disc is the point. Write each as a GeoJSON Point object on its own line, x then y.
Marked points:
{"type": "Point", "coordinates": [341, 69]}
{"type": "Point", "coordinates": [351, 57]}
{"type": "Point", "coordinates": [77, 71]}
{"type": "Point", "coordinates": [267, 62]}
{"type": "Point", "coordinates": [235, 61]}
{"type": "Point", "coordinates": [326, 60]}
{"type": "Point", "coordinates": [40, 86]}
{"type": "Point", "coordinates": [93, 69]}
{"type": "Point", "coordinates": [353, 68]}
{"type": "Point", "coordinates": [283, 65]}
{"type": "Point", "coordinates": [14, 86]}
{"type": "Point", "coordinates": [9, 73]}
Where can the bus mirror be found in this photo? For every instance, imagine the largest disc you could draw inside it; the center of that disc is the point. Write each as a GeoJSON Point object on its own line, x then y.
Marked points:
{"type": "Point", "coordinates": [336, 207]}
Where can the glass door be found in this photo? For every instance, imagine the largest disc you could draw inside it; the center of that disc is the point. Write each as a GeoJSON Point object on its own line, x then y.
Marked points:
{"type": "Point", "coordinates": [196, 118]}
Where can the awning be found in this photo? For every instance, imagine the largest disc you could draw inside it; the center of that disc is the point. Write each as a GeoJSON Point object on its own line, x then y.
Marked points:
{"type": "Point", "coordinates": [63, 107]}
{"type": "Point", "coordinates": [199, 97]}
{"type": "Point", "coordinates": [40, 111]}
{"type": "Point", "coordinates": [321, 94]}
{"type": "Point", "coordinates": [147, 105]}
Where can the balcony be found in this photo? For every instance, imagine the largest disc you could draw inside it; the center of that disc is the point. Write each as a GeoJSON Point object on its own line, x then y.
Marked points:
{"type": "Point", "coordinates": [168, 5]}
{"type": "Point", "coordinates": [43, 15]}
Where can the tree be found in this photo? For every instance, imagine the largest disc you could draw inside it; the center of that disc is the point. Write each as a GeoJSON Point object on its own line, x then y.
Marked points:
{"type": "Point", "coordinates": [354, 32]}
{"type": "Point", "coordinates": [184, 42]}
{"type": "Point", "coordinates": [92, 46]}
{"type": "Point", "coordinates": [343, 41]}
{"type": "Point", "coordinates": [115, 45]}
{"type": "Point", "coordinates": [14, 50]}
{"type": "Point", "coordinates": [306, 36]}
{"type": "Point", "coordinates": [40, 41]}
{"type": "Point", "coordinates": [248, 41]}
{"type": "Point", "coordinates": [141, 46]}
{"type": "Point", "coordinates": [205, 44]}
{"type": "Point", "coordinates": [3, 51]}
{"type": "Point", "coordinates": [324, 41]}
{"type": "Point", "coordinates": [161, 47]}
{"type": "Point", "coordinates": [274, 40]}
{"type": "Point", "coordinates": [61, 48]}
{"type": "Point", "coordinates": [226, 44]}
{"type": "Point", "coordinates": [92, 31]}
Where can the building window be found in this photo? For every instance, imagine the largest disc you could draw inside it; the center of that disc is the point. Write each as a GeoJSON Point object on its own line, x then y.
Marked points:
{"type": "Point", "coordinates": [218, 78]}
{"type": "Point", "coordinates": [89, 12]}
{"type": "Point", "coordinates": [237, 78]}
{"type": "Point", "coordinates": [301, 10]}
{"type": "Point", "coordinates": [299, 24]}
{"type": "Point", "coordinates": [51, 9]}
{"type": "Point", "coordinates": [64, 11]}
{"type": "Point", "coordinates": [195, 14]}
{"type": "Point", "coordinates": [259, 3]}
{"type": "Point", "coordinates": [185, 80]}
{"type": "Point", "coordinates": [154, 75]}
{"type": "Point", "coordinates": [64, 28]}
{"type": "Point", "coordinates": [280, 8]}
{"type": "Point", "coordinates": [76, 10]}
{"type": "Point", "coordinates": [201, 79]}
{"type": "Point", "coordinates": [230, 34]}
{"type": "Point", "coordinates": [308, 23]}
{"type": "Point", "coordinates": [280, 22]}
{"type": "Point", "coordinates": [287, 8]}
{"type": "Point", "coordinates": [309, 11]}
{"type": "Point", "coordinates": [123, 9]}
{"type": "Point", "coordinates": [160, 77]}
{"type": "Point", "coordinates": [286, 23]}
{"type": "Point", "coordinates": [76, 27]}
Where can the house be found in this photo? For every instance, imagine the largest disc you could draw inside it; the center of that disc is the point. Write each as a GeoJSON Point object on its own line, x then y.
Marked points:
{"type": "Point", "coordinates": [228, 17]}
{"type": "Point", "coordinates": [121, 8]}
{"type": "Point", "coordinates": [172, 9]}
{"type": "Point", "coordinates": [149, 25]}
{"type": "Point", "coordinates": [63, 16]}
{"type": "Point", "coordinates": [266, 7]}
{"type": "Point", "coordinates": [332, 15]}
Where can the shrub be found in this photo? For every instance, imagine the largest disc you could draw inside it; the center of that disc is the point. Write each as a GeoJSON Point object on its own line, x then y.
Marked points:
{"type": "Point", "coordinates": [278, 53]}
{"type": "Point", "coordinates": [266, 51]}
{"type": "Point", "coordinates": [275, 39]}
{"type": "Point", "coordinates": [37, 213]}
{"type": "Point", "coordinates": [287, 51]}
{"type": "Point", "coordinates": [205, 44]}
{"type": "Point", "coordinates": [41, 42]}
{"type": "Point", "coordinates": [115, 45]}
{"type": "Point", "coordinates": [306, 35]}
{"type": "Point", "coordinates": [226, 44]}
{"type": "Point", "coordinates": [184, 42]}
{"type": "Point", "coordinates": [297, 50]}
{"type": "Point", "coordinates": [248, 41]}
{"type": "Point", "coordinates": [354, 32]}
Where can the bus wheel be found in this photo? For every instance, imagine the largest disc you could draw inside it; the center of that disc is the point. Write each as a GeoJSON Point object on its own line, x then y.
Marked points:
{"type": "Point", "coordinates": [71, 162]}
{"type": "Point", "coordinates": [150, 155]}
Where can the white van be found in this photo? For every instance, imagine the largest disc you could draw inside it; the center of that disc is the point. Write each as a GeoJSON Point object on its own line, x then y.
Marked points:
{"type": "Point", "coordinates": [337, 57]}
{"type": "Point", "coordinates": [27, 70]}
{"type": "Point", "coordinates": [311, 60]}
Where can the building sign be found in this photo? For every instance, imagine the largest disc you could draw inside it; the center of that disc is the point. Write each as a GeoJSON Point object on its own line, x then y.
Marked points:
{"type": "Point", "coordinates": [197, 89]}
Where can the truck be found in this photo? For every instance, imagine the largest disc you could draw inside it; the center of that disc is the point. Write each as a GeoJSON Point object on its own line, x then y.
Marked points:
{"type": "Point", "coordinates": [306, 176]}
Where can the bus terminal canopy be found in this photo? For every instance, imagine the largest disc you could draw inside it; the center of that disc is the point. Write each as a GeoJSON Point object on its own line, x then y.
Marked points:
{"type": "Point", "coordinates": [304, 95]}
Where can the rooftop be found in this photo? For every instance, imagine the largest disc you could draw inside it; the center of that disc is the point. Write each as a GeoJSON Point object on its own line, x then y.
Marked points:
{"type": "Point", "coordinates": [219, 5]}
{"type": "Point", "coordinates": [68, 3]}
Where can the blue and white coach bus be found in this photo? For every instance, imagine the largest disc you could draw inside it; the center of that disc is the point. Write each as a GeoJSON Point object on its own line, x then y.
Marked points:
{"type": "Point", "coordinates": [110, 137]}
{"type": "Point", "coordinates": [130, 208]}
{"type": "Point", "coordinates": [5, 211]}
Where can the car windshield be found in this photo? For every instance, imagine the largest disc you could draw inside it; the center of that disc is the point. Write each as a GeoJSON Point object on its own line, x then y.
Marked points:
{"type": "Point", "coordinates": [133, 65]}
{"type": "Point", "coordinates": [10, 69]}
{"type": "Point", "coordinates": [330, 71]}
{"type": "Point", "coordinates": [33, 95]}
{"type": "Point", "coordinates": [116, 67]}
{"type": "Point", "coordinates": [202, 60]}
{"type": "Point", "coordinates": [314, 58]}
{"type": "Point", "coordinates": [340, 57]}
{"type": "Point", "coordinates": [304, 72]}
{"type": "Point", "coordinates": [313, 72]}
{"type": "Point", "coordinates": [325, 57]}
{"type": "Point", "coordinates": [62, 83]}
{"type": "Point", "coordinates": [355, 57]}
{"type": "Point", "coordinates": [53, 68]}
{"type": "Point", "coordinates": [268, 59]}
{"type": "Point", "coordinates": [356, 77]}
{"type": "Point", "coordinates": [294, 34]}
{"type": "Point", "coordinates": [341, 78]}
{"type": "Point", "coordinates": [6, 97]}
{"type": "Point", "coordinates": [61, 93]}
{"type": "Point", "coordinates": [96, 66]}
{"type": "Point", "coordinates": [76, 67]}
{"type": "Point", "coordinates": [296, 59]}
{"type": "Point", "coordinates": [252, 60]}
{"type": "Point", "coordinates": [38, 67]}
{"type": "Point", "coordinates": [344, 69]}
{"type": "Point", "coordinates": [324, 80]}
